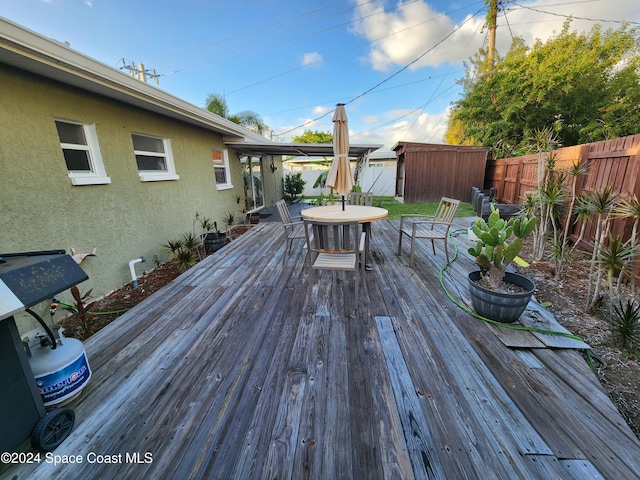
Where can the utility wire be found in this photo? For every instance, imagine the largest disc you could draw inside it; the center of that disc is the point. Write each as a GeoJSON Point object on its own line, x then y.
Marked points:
{"type": "Point", "coordinates": [396, 73]}
{"type": "Point", "coordinates": [599, 20]}
{"type": "Point", "coordinates": [381, 90]}
{"type": "Point", "coordinates": [423, 54]}
{"type": "Point", "coordinates": [258, 29]}
{"type": "Point", "coordinates": [417, 117]}
{"type": "Point", "coordinates": [289, 40]}
{"type": "Point", "coordinates": [342, 52]}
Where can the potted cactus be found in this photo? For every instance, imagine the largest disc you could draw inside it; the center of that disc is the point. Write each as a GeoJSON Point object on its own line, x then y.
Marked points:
{"type": "Point", "coordinates": [499, 244]}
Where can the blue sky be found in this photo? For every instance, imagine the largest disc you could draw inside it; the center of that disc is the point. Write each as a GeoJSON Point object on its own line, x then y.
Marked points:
{"type": "Point", "coordinates": [395, 64]}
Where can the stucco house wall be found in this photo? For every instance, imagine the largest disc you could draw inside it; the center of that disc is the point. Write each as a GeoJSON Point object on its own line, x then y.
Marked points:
{"type": "Point", "coordinates": [41, 209]}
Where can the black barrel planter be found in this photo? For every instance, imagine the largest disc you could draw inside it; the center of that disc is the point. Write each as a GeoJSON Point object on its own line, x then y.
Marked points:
{"type": "Point", "coordinates": [214, 242]}
{"type": "Point", "coordinates": [502, 307]}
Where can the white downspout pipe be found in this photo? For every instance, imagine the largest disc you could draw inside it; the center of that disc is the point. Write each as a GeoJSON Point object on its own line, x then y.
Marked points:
{"type": "Point", "coordinates": [134, 277]}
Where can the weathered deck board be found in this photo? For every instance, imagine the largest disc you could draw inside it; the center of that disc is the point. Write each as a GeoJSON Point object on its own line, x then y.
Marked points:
{"type": "Point", "coordinates": [418, 436]}
{"type": "Point", "coordinates": [232, 371]}
{"type": "Point", "coordinates": [448, 354]}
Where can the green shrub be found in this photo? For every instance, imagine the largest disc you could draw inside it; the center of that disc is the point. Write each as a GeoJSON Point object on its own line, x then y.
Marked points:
{"type": "Point", "coordinates": [293, 185]}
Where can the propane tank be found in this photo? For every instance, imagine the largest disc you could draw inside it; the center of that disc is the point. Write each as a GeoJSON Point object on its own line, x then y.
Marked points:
{"type": "Point", "coordinates": [60, 373]}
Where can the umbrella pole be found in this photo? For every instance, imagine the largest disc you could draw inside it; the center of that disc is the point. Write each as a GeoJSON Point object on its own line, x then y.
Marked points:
{"type": "Point", "coordinates": [343, 203]}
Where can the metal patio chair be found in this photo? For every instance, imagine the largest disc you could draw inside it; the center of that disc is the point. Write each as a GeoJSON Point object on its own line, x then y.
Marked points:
{"type": "Point", "coordinates": [430, 227]}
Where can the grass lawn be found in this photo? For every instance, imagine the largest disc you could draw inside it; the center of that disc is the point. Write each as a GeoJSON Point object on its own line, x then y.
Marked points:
{"type": "Point", "coordinates": [396, 208]}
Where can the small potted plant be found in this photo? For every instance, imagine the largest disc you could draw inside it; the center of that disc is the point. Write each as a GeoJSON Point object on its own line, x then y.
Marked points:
{"type": "Point", "coordinates": [214, 239]}
{"type": "Point", "coordinates": [496, 293]}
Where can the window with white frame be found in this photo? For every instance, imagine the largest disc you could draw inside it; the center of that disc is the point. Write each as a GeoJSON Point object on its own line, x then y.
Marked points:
{"type": "Point", "coordinates": [221, 168]}
{"type": "Point", "coordinates": [153, 158]}
{"type": "Point", "coordinates": [79, 143]}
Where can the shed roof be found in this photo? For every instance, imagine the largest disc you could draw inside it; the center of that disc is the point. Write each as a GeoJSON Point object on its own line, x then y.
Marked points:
{"type": "Point", "coordinates": [401, 147]}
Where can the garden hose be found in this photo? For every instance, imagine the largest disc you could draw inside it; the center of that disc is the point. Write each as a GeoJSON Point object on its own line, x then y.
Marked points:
{"type": "Point", "coordinates": [494, 322]}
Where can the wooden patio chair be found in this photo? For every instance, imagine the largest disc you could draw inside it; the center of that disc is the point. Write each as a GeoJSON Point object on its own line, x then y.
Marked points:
{"type": "Point", "coordinates": [292, 230]}
{"type": "Point", "coordinates": [361, 198]}
{"type": "Point", "coordinates": [335, 246]}
{"type": "Point", "coordinates": [431, 227]}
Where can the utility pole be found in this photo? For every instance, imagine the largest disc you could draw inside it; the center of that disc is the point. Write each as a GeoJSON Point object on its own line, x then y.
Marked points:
{"type": "Point", "coordinates": [492, 17]}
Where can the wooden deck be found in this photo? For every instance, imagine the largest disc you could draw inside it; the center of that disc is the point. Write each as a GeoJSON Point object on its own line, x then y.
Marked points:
{"type": "Point", "coordinates": [231, 372]}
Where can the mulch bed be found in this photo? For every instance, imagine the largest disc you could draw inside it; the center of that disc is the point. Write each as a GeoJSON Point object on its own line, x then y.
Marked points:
{"type": "Point", "coordinates": [618, 370]}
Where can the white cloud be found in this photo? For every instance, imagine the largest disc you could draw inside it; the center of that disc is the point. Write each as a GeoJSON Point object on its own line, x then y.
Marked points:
{"type": "Point", "coordinates": [321, 110]}
{"type": "Point", "coordinates": [394, 126]}
{"type": "Point", "coordinates": [403, 34]}
{"type": "Point", "coordinates": [311, 59]}
{"type": "Point", "coordinates": [543, 18]}
{"type": "Point", "coordinates": [414, 127]}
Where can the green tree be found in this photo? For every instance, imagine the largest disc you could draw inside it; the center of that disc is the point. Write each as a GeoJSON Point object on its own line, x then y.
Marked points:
{"type": "Point", "coordinates": [585, 86]}
{"type": "Point", "coordinates": [217, 104]}
{"type": "Point", "coordinates": [316, 136]}
{"type": "Point", "coordinates": [313, 136]}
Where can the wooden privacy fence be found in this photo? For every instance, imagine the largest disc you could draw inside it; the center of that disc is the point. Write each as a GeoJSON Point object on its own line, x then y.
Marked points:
{"type": "Point", "coordinates": [614, 163]}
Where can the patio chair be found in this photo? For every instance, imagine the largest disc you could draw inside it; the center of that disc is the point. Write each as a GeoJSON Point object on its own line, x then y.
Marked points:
{"type": "Point", "coordinates": [431, 227]}
{"type": "Point", "coordinates": [360, 198]}
{"type": "Point", "coordinates": [335, 246]}
{"type": "Point", "coordinates": [364, 199]}
{"type": "Point", "coordinates": [292, 230]}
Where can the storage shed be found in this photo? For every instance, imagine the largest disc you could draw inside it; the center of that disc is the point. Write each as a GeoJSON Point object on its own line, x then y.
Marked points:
{"type": "Point", "coordinates": [426, 171]}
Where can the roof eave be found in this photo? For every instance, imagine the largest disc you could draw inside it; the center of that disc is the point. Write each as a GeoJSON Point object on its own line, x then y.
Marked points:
{"type": "Point", "coordinates": [26, 50]}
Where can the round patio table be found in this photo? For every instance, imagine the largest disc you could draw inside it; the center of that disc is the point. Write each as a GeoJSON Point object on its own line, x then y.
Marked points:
{"type": "Point", "coordinates": [363, 214]}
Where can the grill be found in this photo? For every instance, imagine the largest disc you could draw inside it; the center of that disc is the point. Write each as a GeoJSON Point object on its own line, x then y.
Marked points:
{"type": "Point", "coordinates": [27, 279]}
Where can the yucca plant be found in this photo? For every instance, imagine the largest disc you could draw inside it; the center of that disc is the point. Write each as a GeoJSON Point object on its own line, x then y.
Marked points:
{"type": "Point", "coordinates": [614, 255]}
{"type": "Point", "coordinates": [193, 243]}
{"type": "Point", "coordinates": [547, 197]}
{"type": "Point", "coordinates": [190, 240]}
{"type": "Point", "coordinates": [602, 204]}
{"type": "Point", "coordinates": [185, 251]}
{"type": "Point", "coordinates": [625, 324]}
{"type": "Point", "coordinates": [582, 211]}
{"type": "Point", "coordinates": [185, 258]}
{"type": "Point", "coordinates": [172, 247]}
{"type": "Point", "coordinates": [562, 252]}
{"type": "Point", "coordinates": [630, 208]}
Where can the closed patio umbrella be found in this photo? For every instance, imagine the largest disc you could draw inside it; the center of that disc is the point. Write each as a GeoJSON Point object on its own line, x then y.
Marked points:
{"type": "Point", "coordinates": [340, 177]}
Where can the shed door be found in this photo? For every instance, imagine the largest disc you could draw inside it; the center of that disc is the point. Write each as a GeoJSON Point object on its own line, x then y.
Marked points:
{"type": "Point", "coordinates": [400, 176]}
